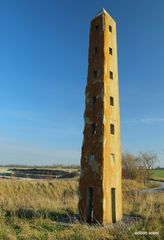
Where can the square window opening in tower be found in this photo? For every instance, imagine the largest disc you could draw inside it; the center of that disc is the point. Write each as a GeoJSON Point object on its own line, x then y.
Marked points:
{"type": "Point", "coordinates": [111, 75]}
{"type": "Point", "coordinates": [97, 27]}
{"type": "Point", "coordinates": [96, 50]}
{"type": "Point", "coordinates": [95, 75]}
{"type": "Point", "coordinates": [112, 129]}
{"type": "Point", "coordinates": [112, 158]}
{"type": "Point", "coordinates": [110, 51]}
{"type": "Point", "coordinates": [112, 101]}
{"type": "Point", "coordinates": [93, 101]}
{"type": "Point", "coordinates": [93, 128]}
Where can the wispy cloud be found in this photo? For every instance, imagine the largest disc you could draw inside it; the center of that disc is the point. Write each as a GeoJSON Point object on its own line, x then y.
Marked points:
{"type": "Point", "coordinates": [146, 120]}
{"type": "Point", "coordinates": [25, 115]}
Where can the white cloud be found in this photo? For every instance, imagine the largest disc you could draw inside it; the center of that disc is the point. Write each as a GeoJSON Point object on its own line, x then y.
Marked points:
{"type": "Point", "coordinates": [19, 114]}
{"type": "Point", "coordinates": [146, 120]}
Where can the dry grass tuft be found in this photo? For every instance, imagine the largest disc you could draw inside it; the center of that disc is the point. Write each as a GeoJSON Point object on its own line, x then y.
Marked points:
{"type": "Point", "coordinates": [38, 197]}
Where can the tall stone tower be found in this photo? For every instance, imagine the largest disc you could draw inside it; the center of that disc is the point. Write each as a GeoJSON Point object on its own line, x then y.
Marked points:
{"type": "Point", "coordinates": [100, 180]}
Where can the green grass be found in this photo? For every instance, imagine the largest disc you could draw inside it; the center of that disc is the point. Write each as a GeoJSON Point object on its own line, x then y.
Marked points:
{"type": "Point", "coordinates": [29, 211]}
{"type": "Point", "coordinates": [157, 173]}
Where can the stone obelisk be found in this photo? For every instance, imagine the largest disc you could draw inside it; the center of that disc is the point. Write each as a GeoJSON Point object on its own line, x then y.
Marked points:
{"type": "Point", "coordinates": [100, 187]}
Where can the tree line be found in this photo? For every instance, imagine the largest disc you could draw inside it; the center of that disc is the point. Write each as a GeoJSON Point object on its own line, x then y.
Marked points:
{"type": "Point", "coordinates": [138, 167]}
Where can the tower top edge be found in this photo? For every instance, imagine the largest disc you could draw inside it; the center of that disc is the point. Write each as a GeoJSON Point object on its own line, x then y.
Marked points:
{"type": "Point", "coordinates": [102, 11]}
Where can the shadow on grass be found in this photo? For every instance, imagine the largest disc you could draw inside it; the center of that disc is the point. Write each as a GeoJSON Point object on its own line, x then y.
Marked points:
{"type": "Point", "coordinates": [65, 215]}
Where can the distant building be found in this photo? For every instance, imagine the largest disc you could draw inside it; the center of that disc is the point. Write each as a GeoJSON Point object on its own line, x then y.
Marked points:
{"type": "Point", "coordinates": [100, 180]}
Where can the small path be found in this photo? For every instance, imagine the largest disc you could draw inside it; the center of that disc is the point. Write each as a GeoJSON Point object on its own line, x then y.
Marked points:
{"type": "Point", "coordinates": [153, 190]}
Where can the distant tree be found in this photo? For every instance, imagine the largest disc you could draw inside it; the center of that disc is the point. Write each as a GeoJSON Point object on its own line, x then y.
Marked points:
{"type": "Point", "coordinates": [138, 167]}
{"type": "Point", "coordinates": [146, 163]}
{"type": "Point", "coordinates": [129, 165]}
{"type": "Point", "coordinates": [158, 167]}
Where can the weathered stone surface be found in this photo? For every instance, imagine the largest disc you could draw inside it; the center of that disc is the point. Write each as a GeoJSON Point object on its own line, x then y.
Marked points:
{"type": "Point", "coordinates": [101, 151]}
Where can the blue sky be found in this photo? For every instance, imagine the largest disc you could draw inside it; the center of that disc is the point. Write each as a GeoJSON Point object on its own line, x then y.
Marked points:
{"type": "Point", "coordinates": [43, 72]}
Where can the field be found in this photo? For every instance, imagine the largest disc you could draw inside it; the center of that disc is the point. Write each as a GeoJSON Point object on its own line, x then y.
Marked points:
{"type": "Point", "coordinates": [39, 172]}
{"type": "Point", "coordinates": [158, 173]}
{"type": "Point", "coordinates": [33, 210]}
